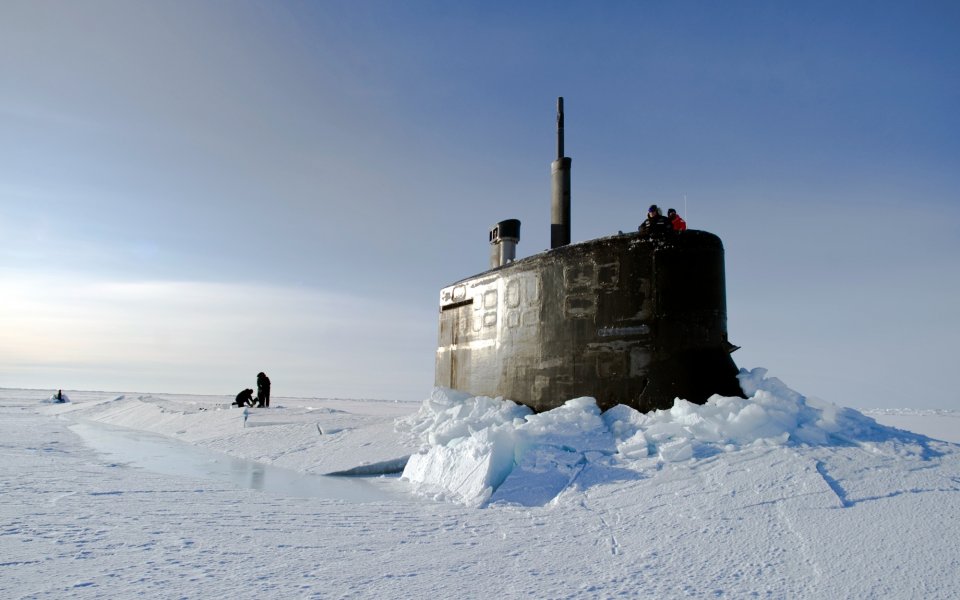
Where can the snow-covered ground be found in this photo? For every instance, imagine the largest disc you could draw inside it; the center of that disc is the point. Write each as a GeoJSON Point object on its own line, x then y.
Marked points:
{"type": "Point", "coordinates": [776, 496]}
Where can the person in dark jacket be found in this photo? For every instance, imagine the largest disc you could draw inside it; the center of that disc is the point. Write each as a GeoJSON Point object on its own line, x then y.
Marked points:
{"type": "Point", "coordinates": [244, 398]}
{"type": "Point", "coordinates": [656, 222]}
{"type": "Point", "coordinates": [263, 390]}
{"type": "Point", "coordinates": [676, 220]}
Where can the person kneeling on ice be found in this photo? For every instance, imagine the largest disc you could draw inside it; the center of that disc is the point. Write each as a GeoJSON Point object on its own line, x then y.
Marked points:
{"type": "Point", "coordinates": [244, 398]}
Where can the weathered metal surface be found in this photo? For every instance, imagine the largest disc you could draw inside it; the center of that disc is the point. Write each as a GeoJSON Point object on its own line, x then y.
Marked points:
{"type": "Point", "coordinates": [560, 202]}
{"type": "Point", "coordinates": [625, 319]}
{"type": "Point", "coordinates": [504, 237]}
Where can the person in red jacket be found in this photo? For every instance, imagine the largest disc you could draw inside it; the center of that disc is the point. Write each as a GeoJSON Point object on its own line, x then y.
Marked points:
{"type": "Point", "coordinates": [676, 220]}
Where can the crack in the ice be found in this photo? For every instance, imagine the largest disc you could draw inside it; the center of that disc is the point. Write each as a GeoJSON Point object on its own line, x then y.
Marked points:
{"type": "Point", "coordinates": [834, 485]}
{"type": "Point", "coordinates": [896, 493]}
{"type": "Point", "coordinates": [845, 502]}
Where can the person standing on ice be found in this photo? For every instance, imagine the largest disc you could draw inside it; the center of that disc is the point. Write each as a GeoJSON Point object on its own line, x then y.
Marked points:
{"type": "Point", "coordinates": [263, 390]}
{"type": "Point", "coordinates": [676, 220]}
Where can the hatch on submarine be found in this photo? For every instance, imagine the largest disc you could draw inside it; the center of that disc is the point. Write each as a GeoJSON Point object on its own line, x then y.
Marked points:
{"type": "Point", "coordinates": [635, 319]}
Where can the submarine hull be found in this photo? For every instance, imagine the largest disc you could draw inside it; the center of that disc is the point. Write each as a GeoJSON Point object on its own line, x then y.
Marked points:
{"type": "Point", "coordinates": [626, 319]}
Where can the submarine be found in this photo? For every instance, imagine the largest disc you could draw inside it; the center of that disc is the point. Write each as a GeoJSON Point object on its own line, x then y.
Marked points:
{"type": "Point", "coordinates": [637, 318]}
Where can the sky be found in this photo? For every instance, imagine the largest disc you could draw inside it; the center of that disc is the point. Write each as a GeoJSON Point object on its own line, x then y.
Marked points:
{"type": "Point", "coordinates": [191, 193]}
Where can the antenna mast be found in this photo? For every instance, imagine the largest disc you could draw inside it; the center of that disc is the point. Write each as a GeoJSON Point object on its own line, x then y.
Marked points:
{"type": "Point", "coordinates": [560, 196]}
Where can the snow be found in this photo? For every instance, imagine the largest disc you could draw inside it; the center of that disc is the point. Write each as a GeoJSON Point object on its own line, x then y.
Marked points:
{"type": "Point", "coordinates": [776, 495]}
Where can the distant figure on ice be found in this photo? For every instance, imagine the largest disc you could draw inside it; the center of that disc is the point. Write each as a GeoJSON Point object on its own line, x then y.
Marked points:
{"type": "Point", "coordinates": [244, 398]}
{"type": "Point", "coordinates": [676, 220]}
{"type": "Point", "coordinates": [656, 222]}
{"type": "Point", "coordinates": [57, 397]}
{"type": "Point", "coordinates": [263, 390]}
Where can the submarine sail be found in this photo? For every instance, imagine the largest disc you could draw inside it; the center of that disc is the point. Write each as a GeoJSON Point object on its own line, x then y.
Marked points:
{"type": "Point", "coordinates": [628, 319]}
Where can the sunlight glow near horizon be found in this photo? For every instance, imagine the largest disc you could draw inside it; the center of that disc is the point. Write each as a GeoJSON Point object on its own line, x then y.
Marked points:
{"type": "Point", "coordinates": [174, 330]}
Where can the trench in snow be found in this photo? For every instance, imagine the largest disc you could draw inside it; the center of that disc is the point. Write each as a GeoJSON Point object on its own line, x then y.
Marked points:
{"type": "Point", "coordinates": [164, 455]}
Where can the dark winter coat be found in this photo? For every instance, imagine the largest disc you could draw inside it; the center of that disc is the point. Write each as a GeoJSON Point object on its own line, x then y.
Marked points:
{"type": "Point", "coordinates": [245, 397]}
{"type": "Point", "coordinates": [656, 224]}
{"type": "Point", "coordinates": [263, 390]}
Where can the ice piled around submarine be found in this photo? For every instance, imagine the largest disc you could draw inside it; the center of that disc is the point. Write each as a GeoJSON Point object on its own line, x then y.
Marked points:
{"type": "Point", "coordinates": [479, 450]}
